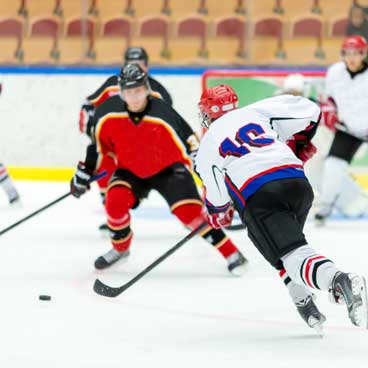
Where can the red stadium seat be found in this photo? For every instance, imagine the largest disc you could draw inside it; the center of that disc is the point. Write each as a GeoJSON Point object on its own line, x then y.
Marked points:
{"type": "Point", "coordinates": [41, 44]}
{"type": "Point", "coordinates": [115, 37]}
{"type": "Point", "coordinates": [338, 27]}
{"type": "Point", "coordinates": [307, 26]}
{"type": "Point", "coordinates": [153, 35]}
{"type": "Point", "coordinates": [11, 36]}
{"type": "Point", "coordinates": [77, 44]}
{"type": "Point", "coordinates": [271, 26]}
{"type": "Point", "coordinates": [227, 40]}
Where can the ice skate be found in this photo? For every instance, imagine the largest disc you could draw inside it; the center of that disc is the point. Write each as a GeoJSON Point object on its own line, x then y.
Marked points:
{"type": "Point", "coordinates": [237, 264]}
{"type": "Point", "coordinates": [322, 214]}
{"type": "Point", "coordinates": [110, 258]}
{"type": "Point", "coordinates": [14, 200]}
{"type": "Point", "coordinates": [310, 314]}
{"type": "Point", "coordinates": [351, 289]}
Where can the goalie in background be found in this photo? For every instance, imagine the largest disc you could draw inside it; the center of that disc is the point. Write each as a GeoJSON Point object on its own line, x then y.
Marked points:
{"type": "Point", "coordinates": [344, 112]}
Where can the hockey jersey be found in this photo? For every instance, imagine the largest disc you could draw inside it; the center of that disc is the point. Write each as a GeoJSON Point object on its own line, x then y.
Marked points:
{"type": "Point", "coordinates": [245, 149]}
{"type": "Point", "coordinates": [350, 93]}
{"type": "Point", "coordinates": [144, 143]}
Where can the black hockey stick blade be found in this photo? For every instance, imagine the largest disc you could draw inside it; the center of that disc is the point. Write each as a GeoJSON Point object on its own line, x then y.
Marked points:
{"type": "Point", "coordinates": [94, 178]}
{"type": "Point", "coordinates": [111, 292]}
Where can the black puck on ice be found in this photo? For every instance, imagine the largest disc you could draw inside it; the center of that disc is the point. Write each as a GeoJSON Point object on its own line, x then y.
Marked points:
{"type": "Point", "coordinates": [44, 297]}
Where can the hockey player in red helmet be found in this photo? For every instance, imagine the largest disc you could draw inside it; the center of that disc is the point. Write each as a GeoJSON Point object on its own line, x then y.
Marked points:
{"type": "Point", "coordinates": [347, 92]}
{"type": "Point", "coordinates": [251, 159]}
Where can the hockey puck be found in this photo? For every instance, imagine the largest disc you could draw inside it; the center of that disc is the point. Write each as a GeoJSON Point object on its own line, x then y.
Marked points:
{"type": "Point", "coordinates": [45, 297]}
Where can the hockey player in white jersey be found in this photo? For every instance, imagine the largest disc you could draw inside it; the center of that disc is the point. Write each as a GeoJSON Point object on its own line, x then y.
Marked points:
{"type": "Point", "coordinates": [345, 113]}
{"type": "Point", "coordinates": [252, 159]}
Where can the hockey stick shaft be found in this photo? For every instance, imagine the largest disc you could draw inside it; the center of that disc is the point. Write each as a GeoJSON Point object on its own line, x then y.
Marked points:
{"type": "Point", "coordinates": [111, 292]}
{"type": "Point", "coordinates": [94, 178]}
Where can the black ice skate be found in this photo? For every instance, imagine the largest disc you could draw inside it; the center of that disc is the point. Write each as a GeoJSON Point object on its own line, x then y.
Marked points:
{"type": "Point", "coordinates": [236, 264]}
{"type": "Point", "coordinates": [310, 314]}
{"type": "Point", "coordinates": [352, 290]}
{"type": "Point", "coordinates": [110, 258]}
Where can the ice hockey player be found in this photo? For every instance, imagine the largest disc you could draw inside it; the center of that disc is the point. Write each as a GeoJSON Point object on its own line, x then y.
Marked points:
{"type": "Point", "coordinates": [7, 184]}
{"type": "Point", "coordinates": [110, 88]}
{"type": "Point", "coordinates": [345, 113]}
{"type": "Point", "coordinates": [252, 158]}
{"type": "Point", "coordinates": [152, 144]}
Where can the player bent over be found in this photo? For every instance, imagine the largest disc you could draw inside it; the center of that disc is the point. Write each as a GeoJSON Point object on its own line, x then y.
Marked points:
{"type": "Point", "coordinates": [152, 144]}
{"type": "Point", "coordinates": [7, 184]}
{"type": "Point", "coordinates": [345, 113]}
{"type": "Point", "coordinates": [253, 158]}
{"type": "Point", "coordinates": [133, 55]}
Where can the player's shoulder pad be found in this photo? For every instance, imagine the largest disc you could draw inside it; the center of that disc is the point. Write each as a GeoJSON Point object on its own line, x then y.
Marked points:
{"type": "Point", "coordinates": [112, 81]}
{"type": "Point", "coordinates": [112, 104]}
{"type": "Point", "coordinates": [160, 109]}
{"type": "Point", "coordinates": [336, 68]}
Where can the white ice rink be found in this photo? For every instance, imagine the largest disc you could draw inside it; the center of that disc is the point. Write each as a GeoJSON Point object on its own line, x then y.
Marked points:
{"type": "Point", "coordinates": [188, 312]}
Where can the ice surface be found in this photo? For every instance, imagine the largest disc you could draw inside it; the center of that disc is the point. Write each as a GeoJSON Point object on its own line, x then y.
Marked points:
{"type": "Point", "coordinates": [188, 311]}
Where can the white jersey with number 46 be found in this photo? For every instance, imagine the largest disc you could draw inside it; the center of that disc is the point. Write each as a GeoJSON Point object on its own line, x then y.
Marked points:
{"type": "Point", "coordinates": [245, 148]}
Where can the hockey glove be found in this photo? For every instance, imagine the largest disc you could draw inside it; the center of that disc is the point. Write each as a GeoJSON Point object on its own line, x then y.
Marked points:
{"type": "Point", "coordinates": [80, 181]}
{"type": "Point", "coordinates": [307, 152]}
{"type": "Point", "coordinates": [329, 114]}
{"type": "Point", "coordinates": [221, 219]}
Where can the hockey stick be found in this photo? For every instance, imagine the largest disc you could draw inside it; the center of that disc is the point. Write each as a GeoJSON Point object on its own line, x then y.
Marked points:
{"type": "Point", "coordinates": [111, 292]}
{"type": "Point", "coordinates": [94, 178]}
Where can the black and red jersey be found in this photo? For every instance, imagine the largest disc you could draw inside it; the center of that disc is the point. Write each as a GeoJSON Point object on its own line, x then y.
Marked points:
{"type": "Point", "coordinates": [144, 143]}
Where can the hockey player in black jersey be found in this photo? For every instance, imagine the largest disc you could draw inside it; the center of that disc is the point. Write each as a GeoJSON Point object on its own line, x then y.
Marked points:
{"type": "Point", "coordinates": [152, 146]}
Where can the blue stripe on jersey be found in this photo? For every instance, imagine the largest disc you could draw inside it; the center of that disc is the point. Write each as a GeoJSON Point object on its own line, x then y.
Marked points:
{"type": "Point", "coordinates": [284, 173]}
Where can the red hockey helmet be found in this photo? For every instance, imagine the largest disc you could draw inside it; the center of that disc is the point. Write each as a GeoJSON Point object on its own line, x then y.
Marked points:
{"type": "Point", "coordinates": [356, 42]}
{"type": "Point", "coordinates": [215, 102]}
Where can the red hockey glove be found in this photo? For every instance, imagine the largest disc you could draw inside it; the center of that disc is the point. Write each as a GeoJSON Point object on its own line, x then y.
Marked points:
{"type": "Point", "coordinates": [221, 219]}
{"type": "Point", "coordinates": [329, 114]}
{"type": "Point", "coordinates": [307, 152]}
{"type": "Point", "coordinates": [80, 181]}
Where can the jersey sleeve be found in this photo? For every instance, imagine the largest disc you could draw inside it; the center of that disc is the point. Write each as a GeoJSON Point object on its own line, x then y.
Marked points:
{"type": "Point", "coordinates": [293, 115]}
{"type": "Point", "coordinates": [208, 166]}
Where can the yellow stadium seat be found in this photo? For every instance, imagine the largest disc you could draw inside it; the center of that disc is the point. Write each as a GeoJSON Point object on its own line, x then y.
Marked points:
{"type": "Point", "coordinates": [110, 50]}
{"type": "Point", "coordinates": [38, 50]}
{"type": "Point", "coordinates": [9, 8]}
{"type": "Point", "coordinates": [186, 50]}
{"type": "Point", "coordinates": [40, 8]}
{"type": "Point", "coordinates": [332, 48]}
{"type": "Point", "coordinates": [263, 50]}
{"type": "Point", "coordinates": [154, 47]}
{"type": "Point", "coordinates": [222, 50]}
{"type": "Point", "coordinates": [8, 47]}
{"type": "Point", "coordinates": [73, 50]}
{"type": "Point", "coordinates": [299, 8]}
{"type": "Point", "coordinates": [183, 8]}
{"type": "Point", "coordinates": [304, 50]}
{"type": "Point", "coordinates": [261, 7]}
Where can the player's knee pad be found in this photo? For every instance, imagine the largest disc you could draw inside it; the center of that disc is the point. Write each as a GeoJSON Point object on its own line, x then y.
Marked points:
{"type": "Point", "coordinates": [190, 214]}
{"type": "Point", "coordinates": [119, 200]}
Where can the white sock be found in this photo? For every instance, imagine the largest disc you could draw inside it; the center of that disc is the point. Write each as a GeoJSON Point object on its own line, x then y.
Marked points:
{"type": "Point", "coordinates": [305, 266]}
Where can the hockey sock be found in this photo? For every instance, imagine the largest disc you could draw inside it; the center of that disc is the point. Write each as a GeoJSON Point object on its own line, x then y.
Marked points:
{"type": "Point", "coordinates": [192, 215]}
{"type": "Point", "coordinates": [305, 266]}
{"type": "Point", "coordinates": [7, 184]}
{"type": "Point", "coordinates": [119, 200]}
{"type": "Point", "coordinates": [297, 292]}
{"type": "Point", "coordinates": [333, 176]}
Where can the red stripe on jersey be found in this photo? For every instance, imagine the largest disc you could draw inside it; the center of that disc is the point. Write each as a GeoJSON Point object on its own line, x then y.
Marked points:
{"type": "Point", "coordinates": [307, 268]}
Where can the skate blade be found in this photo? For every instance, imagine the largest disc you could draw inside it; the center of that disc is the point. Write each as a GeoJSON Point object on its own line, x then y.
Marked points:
{"type": "Point", "coordinates": [240, 270]}
{"type": "Point", "coordinates": [359, 287]}
{"type": "Point", "coordinates": [317, 325]}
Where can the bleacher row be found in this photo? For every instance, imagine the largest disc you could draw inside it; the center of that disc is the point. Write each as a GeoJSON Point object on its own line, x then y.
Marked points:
{"type": "Point", "coordinates": [176, 31]}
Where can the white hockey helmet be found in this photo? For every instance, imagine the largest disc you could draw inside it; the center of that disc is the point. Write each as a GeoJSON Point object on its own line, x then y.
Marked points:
{"type": "Point", "coordinates": [295, 84]}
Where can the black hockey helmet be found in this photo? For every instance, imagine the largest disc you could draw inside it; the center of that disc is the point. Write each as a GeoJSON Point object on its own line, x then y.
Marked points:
{"type": "Point", "coordinates": [131, 76]}
{"type": "Point", "coordinates": [136, 53]}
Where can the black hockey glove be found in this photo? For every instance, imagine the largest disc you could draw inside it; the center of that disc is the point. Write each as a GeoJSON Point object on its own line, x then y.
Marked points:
{"type": "Point", "coordinates": [80, 181]}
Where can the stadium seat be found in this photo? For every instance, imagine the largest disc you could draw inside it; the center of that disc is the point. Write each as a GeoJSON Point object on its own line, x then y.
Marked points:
{"type": "Point", "coordinates": [153, 34]}
{"type": "Point", "coordinates": [115, 36]}
{"type": "Point", "coordinates": [303, 8]}
{"type": "Point", "coordinates": [40, 8]}
{"type": "Point", "coordinates": [190, 39]}
{"type": "Point", "coordinates": [74, 8]}
{"type": "Point", "coordinates": [11, 36]}
{"type": "Point", "coordinates": [10, 8]}
{"type": "Point", "coordinates": [227, 40]}
{"type": "Point", "coordinates": [263, 51]}
{"type": "Point", "coordinates": [77, 43]}
{"type": "Point", "coordinates": [230, 7]}
{"type": "Point", "coordinates": [333, 7]}
{"type": "Point", "coordinates": [184, 8]}
{"type": "Point", "coordinates": [258, 8]}
{"type": "Point", "coordinates": [41, 43]}
{"type": "Point", "coordinates": [337, 27]}
{"type": "Point", "coordinates": [110, 8]}
{"type": "Point", "coordinates": [332, 48]}
{"type": "Point", "coordinates": [302, 51]}
{"type": "Point", "coordinates": [272, 28]}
